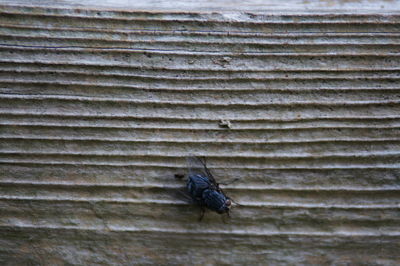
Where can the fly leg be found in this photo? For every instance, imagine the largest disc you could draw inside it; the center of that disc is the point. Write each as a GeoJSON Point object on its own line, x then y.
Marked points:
{"type": "Point", "coordinates": [238, 204]}
{"type": "Point", "coordinates": [203, 210]}
{"type": "Point", "coordinates": [226, 218]}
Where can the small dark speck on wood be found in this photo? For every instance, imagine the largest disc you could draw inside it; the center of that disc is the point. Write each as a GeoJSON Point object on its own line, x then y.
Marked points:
{"type": "Point", "coordinates": [179, 176]}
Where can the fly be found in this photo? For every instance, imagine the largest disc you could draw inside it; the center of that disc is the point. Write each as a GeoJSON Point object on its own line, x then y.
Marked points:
{"type": "Point", "coordinates": [204, 189]}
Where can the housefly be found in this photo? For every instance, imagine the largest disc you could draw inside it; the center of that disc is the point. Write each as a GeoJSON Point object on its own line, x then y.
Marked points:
{"type": "Point", "coordinates": [204, 190]}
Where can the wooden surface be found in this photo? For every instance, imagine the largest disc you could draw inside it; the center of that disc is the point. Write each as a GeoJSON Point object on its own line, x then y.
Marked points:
{"type": "Point", "coordinates": [98, 109]}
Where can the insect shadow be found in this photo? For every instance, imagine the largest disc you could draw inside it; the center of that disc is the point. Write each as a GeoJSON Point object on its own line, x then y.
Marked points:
{"type": "Point", "coordinates": [203, 190]}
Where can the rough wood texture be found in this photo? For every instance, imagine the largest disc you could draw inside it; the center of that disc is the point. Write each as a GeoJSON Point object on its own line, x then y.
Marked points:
{"type": "Point", "coordinates": [99, 106]}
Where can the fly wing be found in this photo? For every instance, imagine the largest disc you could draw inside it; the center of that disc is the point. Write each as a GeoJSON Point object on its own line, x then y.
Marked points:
{"type": "Point", "coordinates": [197, 166]}
{"type": "Point", "coordinates": [182, 194]}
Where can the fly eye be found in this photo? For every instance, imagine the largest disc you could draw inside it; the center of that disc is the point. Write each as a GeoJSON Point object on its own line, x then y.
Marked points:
{"type": "Point", "coordinates": [228, 203]}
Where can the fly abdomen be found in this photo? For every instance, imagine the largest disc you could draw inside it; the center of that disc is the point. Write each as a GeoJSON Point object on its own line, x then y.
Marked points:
{"type": "Point", "coordinates": [215, 201]}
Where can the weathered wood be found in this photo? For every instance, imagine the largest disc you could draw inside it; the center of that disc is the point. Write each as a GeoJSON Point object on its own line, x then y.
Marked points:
{"type": "Point", "coordinates": [100, 103]}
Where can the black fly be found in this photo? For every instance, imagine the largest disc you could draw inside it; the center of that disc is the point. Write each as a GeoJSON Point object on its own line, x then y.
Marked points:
{"type": "Point", "coordinates": [203, 188]}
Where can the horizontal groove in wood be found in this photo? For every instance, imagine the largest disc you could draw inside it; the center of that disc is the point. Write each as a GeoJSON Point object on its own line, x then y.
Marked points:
{"type": "Point", "coordinates": [197, 16]}
{"type": "Point", "coordinates": [140, 122]}
{"type": "Point", "coordinates": [227, 26]}
{"type": "Point", "coordinates": [177, 152]}
{"type": "Point", "coordinates": [172, 203]}
{"type": "Point", "coordinates": [333, 164]}
{"type": "Point", "coordinates": [361, 118]}
{"type": "Point", "coordinates": [183, 61]}
{"type": "Point", "coordinates": [64, 234]}
{"type": "Point", "coordinates": [240, 121]}
{"type": "Point", "coordinates": [178, 185]}
{"type": "Point", "coordinates": [116, 213]}
{"type": "Point", "coordinates": [199, 46]}
{"type": "Point", "coordinates": [43, 97]}
{"type": "Point", "coordinates": [100, 79]}
{"type": "Point", "coordinates": [180, 87]}
{"type": "Point", "coordinates": [130, 36]}
{"type": "Point", "coordinates": [25, 121]}
{"type": "Point", "coordinates": [130, 85]}
{"type": "Point", "coordinates": [133, 68]}
{"type": "Point", "coordinates": [199, 31]}
{"type": "Point", "coordinates": [374, 178]}
{"type": "Point", "coordinates": [207, 20]}
{"type": "Point", "coordinates": [75, 74]}
{"type": "Point", "coordinates": [98, 37]}
{"type": "Point", "coordinates": [177, 53]}
{"type": "Point", "coordinates": [246, 196]}
{"type": "Point", "coordinates": [113, 215]}
{"type": "Point", "coordinates": [177, 33]}
{"type": "Point", "coordinates": [383, 160]}
{"type": "Point", "coordinates": [171, 111]}
{"type": "Point", "coordinates": [291, 135]}
{"type": "Point", "coordinates": [161, 141]}
{"type": "Point", "coordinates": [282, 149]}
{"type": "Point", "coordinates": [207, 232]}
